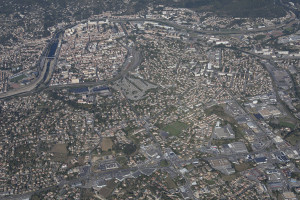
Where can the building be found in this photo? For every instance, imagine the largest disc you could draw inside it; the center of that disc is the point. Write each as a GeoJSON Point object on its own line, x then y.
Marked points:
{"type": "Point", "coordinates": [225, 132]}
{"type": "Point", "coordinates": [223, 165]}
{"type": "Point", "coordinates": [233, 148]}
{"type": "Point", "coordinates": [289, 196]}
{"type": "Point", "coordinates": [238, 147]}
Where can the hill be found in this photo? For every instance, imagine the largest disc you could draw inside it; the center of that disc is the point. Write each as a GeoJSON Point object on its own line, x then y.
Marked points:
{"type": "Point", "coordinates": [50, 12]}
{"type": "Point", "coordinates": [238, 8]}
{"type": "Point", "coordinates": [83, 8]}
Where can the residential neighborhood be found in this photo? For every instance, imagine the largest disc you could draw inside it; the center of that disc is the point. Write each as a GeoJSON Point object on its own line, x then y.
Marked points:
{"type": "Point", "coordinates": [167, 103]}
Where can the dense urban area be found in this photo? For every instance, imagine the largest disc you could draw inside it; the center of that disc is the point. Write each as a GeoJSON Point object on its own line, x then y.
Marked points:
{"type": "Point", "coordinates": [163, 102]}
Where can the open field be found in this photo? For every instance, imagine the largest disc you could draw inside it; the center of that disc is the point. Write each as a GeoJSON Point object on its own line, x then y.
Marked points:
{"type": "Point", "coordinates": [242, 167]}
{"type": "Point", "coordinates": [106, 191]}
{"type": "Point", "coordinates": [229, 177]}
{"type": "Point", "coordinates": [60, 148]}
{"type": "Point", "coordinates": [170, 183]}
{"type": "Point", "coordinates": [283, 123]}
{"type": "Point", "coordinates": [219, 111]}
{"type": "Point", "coordinates": [60, 153]}
{"type": "Point", "coordinates": [106, 144]}
{"type": "Point", "coordinates": [287, 124]}
{"type": "Point", "coordinates": [293, 138]}
{"type": "Point", "coordinates": [122, 160]}
{"type": "Point", "coordinates": [175, 128]}
{"type": "Point", "coordinates": [18, 78]}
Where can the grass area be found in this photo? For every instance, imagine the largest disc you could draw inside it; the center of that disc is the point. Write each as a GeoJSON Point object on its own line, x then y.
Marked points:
{"type": "Point", "coordinates": [297, 107]}
{"type": "Point", "coordinates": [87, 194]}
{"type": "Point", "coordinates": [287, 124]}
{"type": "Point", "coordinates": [122, 160]}
{"type": "Point", "coordinates": [129, 129]}
{"type": "Point", "coordinates": [175, 128]}
{"type": "Point", "coordinates": [229, 177]}
{"type": "Point", "coordinates": [295, 175]}
{"type": "Point", "coordinates": [293, 138]}
{"type": "Point", "coordinates": [238, 130]}
{"type": "Point", "coordinates": [283, 123]}
{"type": "Point", "coordinates": [106, 191]}
{"type": "Point", "coordinates": [210, 182]}
{"type": "Point", "coordinates": [60, 153]}
{"type": "Point", "coordinates": [164, 163]}
{"type": "Point", "coordinates": [259, 37]}
{"type": "Point", "coordinates": [18, 78]}
{"type": "Point", "coordinates": [288, 30]}
{"type": "Point", "coordinates": [243, 166]}
{"type": "Point", "coordinates": [106, 144]}
{"type": "Point", "coordinates": [216, 142]}
{"type": "Point", "coordinates": [170, 183]}
{"type": "Point", "coordinates": [189, 167]}
{"type": "Point", "coordinates": [219, 111]}
{"type": "Point", "coordinates": [60, 148]}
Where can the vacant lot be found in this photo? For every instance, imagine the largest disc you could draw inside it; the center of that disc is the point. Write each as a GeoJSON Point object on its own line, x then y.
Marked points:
{"type": "Point", "coordinates": [18, 78]}
{"type": "Point", "coordinates": [60, 152]}
{"type": "Point", "coordinates": [243, 166]}
{"type": "Point", "coordinates": [219, 111]}
{"type": "Point", "coordinates": [293, 138]}
{"type": "Point", "coordinates": [287, 124]}
{"type": "Point", "coordinates": [122, 161]}
{"type": "Point", "coordinates": [175, 128]}
{"type": "Point", "coordinates": [60, 148]}
{"type": "Point", "coordinates": [170, 183]}
{"type": "Point", "coordinates": [106, 191]}
{"type": "Point", "coordinates": [283, 123]}
{"type": "Point", "coordinates": [229, 177]}
{"type": "Point", "coordinates": [106, 144]}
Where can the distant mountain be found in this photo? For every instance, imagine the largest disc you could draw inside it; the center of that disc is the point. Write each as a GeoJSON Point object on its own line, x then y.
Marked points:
{"type": "Point", "coordinates": [83, 8]}
{"type": "Point", "coordinates": [51, 12]}
{"type": "Point", "coordinates": [238, 8]}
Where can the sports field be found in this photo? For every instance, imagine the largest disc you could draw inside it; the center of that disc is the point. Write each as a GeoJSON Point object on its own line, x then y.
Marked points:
{"type": "Point", "coordinates": [175, 128]}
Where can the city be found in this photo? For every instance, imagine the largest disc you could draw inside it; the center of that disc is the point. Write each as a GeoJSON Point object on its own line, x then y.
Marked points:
{"type": "Point", "coordinates": [168, 103]}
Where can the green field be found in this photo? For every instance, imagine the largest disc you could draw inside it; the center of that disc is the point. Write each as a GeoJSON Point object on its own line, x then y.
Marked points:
{"type": "Point", "coordinates": [243, 166]}
{"type": "Point", "coordinates": [259, 37]}
{"type": "Point", "coordinates": [219, 111]}
{"type": "Point", "coordinates": [283, 123]}
{"type": "Point", "coordinates": [229, 177]}
{"type": "Point", "coordinates": [107, 190]}
{"type": "Point", "coordinates": [122, 161]}
{"type": "Point", "coordinates": [60, 153]}
{"type": "Point", "coordinates": [293, 138]}
{"type": "Point", "coordinates": [210, 182]}
{"type": "Point", "coordinates": [170, 183]}
{"type": "Point", "coordinates": [164, 163]}
{"type": "Point", "coordinates": [18, 78]}
{"type": "Point", "coordinates": [175, 128]}
{"type": "Point", "coordinates": [287, 124]}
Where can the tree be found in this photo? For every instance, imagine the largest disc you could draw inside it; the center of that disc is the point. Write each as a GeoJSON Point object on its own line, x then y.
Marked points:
{"type": "Point", "coordinates": [129, 149]}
